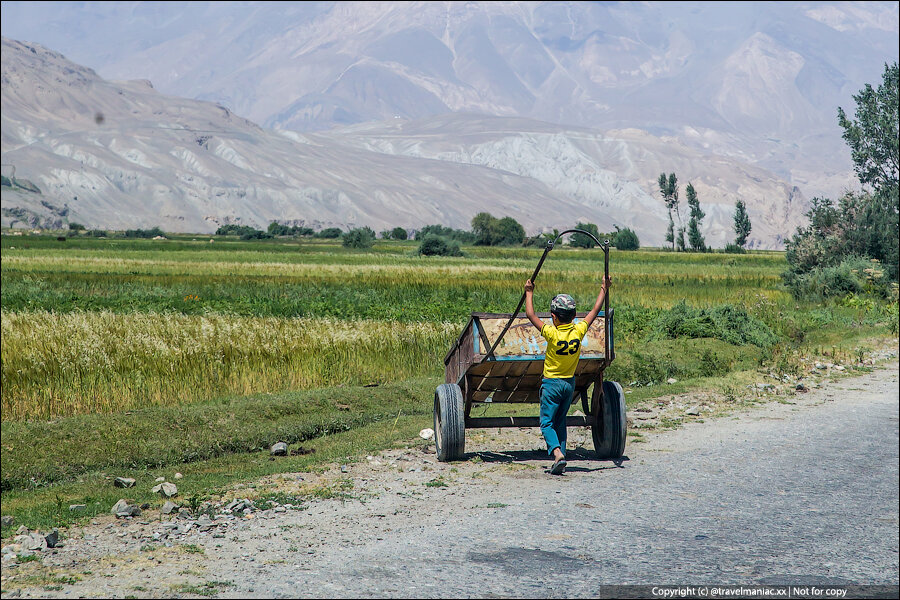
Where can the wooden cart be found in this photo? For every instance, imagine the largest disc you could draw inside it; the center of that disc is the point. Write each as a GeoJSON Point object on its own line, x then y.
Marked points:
{"type": "Point", "coordinates": [500, 358]}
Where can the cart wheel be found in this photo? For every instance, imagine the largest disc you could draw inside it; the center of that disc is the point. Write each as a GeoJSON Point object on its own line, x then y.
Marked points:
{"type": "Point", "coordinates": [585, 402]}
{"type": "Point", "coordinates": [449, 422]}
{"type": "Point", "coordinates": [609, 431]}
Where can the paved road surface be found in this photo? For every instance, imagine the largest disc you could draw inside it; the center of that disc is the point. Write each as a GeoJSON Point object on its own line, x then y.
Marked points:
{"type": "Point", "coordinates": [787, 495]}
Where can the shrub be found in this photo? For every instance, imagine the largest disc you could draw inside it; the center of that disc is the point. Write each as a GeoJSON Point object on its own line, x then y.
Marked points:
{"type": "Point", "coordinates": [361, 237]}
{"type": "Point", "coordinates": [734, 249]}
{"type": "Point", "coordinates": [398, 233]}
{"type": "Point", "coordinates": [460, 235]}
{"type": "Point", "coordinates": [76, 227]}
{"type": "Point", "coordinates": [626, 239]}
{"type": "Point", "coordinates": [256, 234]}
{"type": "Point", "coordinates": [329, 233]}
{"type": "Point", "coordinates": [710, 365]}
{"type": "Point", "coordinates": [435, 245]}
{"type": "Point", "coordinates": [725, 322]}
{"type": "Point", "coordinates": [860, 225]}
{"type": "Point", "coordinates": [853, 275]}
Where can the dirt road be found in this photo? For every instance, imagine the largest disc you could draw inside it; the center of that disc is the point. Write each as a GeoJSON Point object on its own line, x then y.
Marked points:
{"type": "Point", "coordinates": [798, 491]}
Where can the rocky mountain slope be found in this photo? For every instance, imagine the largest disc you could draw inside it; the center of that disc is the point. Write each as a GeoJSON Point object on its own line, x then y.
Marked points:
{"type": "Point", "coordinates": [121, 155]}
{"type": "Point", "coordinates": [760, 82]}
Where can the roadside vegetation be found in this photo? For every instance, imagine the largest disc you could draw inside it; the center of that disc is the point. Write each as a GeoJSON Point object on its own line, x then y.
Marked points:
{"type": "Point", "coordinates": [849, 249]}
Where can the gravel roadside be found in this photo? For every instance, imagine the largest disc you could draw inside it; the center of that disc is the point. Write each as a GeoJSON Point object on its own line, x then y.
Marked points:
{"type": "Point", "coordinates": [774, 491]}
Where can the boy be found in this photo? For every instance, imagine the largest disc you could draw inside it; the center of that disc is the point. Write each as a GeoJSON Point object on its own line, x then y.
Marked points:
{"type": "Point", "coordinates": [563, 349]}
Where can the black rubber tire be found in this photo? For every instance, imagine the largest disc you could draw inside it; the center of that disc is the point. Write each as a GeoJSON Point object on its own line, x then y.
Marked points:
{"type": "Point", "coordinates": [609, 432]}
{"type": "Point", "coordinates": [449, 422]}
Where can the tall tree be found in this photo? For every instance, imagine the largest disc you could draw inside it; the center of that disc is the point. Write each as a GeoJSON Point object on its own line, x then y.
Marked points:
{"type": "Point", "coordinates": [668, 188]}
{"type": "Point", "coordinates": [695, 238]}
{"type": "Point", "coordinates": [873, 139]}
{"type": "Point", "coordinates": [873, 135]}
{"type": "Point", "coordinates": [484, 226]}
{"type": "Point", "coordinates": [742, 224]}
{"type": "Point", "coordinates": [509, 232]}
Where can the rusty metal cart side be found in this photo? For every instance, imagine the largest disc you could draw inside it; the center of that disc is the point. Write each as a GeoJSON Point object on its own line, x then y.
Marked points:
{"type": "Point", "coordinates": [499, 358]}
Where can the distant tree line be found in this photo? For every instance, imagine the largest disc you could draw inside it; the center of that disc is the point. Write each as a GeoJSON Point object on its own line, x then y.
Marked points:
{"type": "Point", "coordinates": [276, 228]}
{"type": "Point", "coordinates": [144, 233]}
{"type": "Point", "coordinates": [434, 240]}
{"type": "Point", "coordinates": [622, 239]}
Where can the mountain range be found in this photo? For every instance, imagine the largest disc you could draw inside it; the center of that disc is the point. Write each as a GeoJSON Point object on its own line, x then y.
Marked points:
{"type": "Point", "coordinates": [409, 113]}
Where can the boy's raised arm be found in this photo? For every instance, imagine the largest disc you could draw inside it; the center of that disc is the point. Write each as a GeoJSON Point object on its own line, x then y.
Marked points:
{"type": "Point", "coordinates": [529, 306]}
{"type": "Point", "coordinates": [599, 303]}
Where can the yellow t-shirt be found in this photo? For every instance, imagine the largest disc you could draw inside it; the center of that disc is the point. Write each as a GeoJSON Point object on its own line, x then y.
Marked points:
{"type": "Point", "coordinates": [563, 349]}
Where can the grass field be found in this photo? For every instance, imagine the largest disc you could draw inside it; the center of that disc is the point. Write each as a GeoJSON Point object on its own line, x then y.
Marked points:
{"type": "Point", "coordinates": [241, 344]}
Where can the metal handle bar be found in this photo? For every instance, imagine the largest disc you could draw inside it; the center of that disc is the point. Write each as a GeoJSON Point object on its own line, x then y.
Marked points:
{"type": "Point", "coordinates": [550, 244]}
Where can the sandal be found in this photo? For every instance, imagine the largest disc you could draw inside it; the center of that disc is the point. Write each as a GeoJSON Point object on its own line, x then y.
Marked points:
{"type": "Point", "coordinates": [559, 467]}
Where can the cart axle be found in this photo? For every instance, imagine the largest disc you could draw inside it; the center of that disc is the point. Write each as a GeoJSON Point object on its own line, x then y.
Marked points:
{"type": "Point", "coordinates": [483, 422]}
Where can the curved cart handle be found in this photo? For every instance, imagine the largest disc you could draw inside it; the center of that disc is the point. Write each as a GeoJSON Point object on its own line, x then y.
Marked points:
{"type": "Point", "coordinates": [604, 245]}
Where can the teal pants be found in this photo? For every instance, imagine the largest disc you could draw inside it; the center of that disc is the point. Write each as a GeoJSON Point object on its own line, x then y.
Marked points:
{"type": "Point", "coordinates": [556, 398]}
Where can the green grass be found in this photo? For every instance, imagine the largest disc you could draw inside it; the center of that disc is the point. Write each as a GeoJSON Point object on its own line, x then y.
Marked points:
{"type": "Point", "coordinates": [140, 357]}
{"type": "Point", "coordinates": [95, 325]}
{"type": "Point", "coordinates": [160, 437]}
{"type": "Point", "coordinates": [208, 588]}
{"type": "Point", "coordinates": [319, 280]}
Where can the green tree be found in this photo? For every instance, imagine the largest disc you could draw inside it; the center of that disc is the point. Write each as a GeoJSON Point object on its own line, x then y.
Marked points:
{"type": "Point", "coordinates": [398, 233]}
{"type": "Point", "coordinates": [873, 135]}
{"type": "Point", "coordinates": [668, 187]}
{"type": "Point", "coordinates": [823, 257]}
{"type": "Point", "coordinates": [276, 228]}
{"type": "Point", "coordinates": [873, 141]}
{"type": "Point", "coordinates": [509, 232]}
{"type": "Point", "coordinates": [330, 233]}
{"type": "Point", "coordinates": [460, 235]}
{"type": "Point", "coordinates": [582, 241]}
{"type": "Point", "coordinates": [625, 239]}
{"type": "Point", "coordinates": [695, 238]}
{"type": "Point", "coordinates": [256, 234]}
{"type": "Point", "coordinates": [484, 226]}
{"type": "Point", "coordinates": [742, 224]}
{"type": "Point", "coordinates": [490, 231]}
{"type": "Point", "coordinates": [361, 237]}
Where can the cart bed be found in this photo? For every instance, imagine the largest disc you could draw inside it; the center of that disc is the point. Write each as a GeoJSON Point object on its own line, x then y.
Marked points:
{"type": "Point", "coordinates": [514, 373]}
